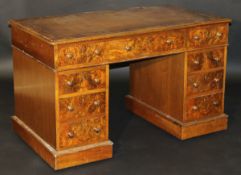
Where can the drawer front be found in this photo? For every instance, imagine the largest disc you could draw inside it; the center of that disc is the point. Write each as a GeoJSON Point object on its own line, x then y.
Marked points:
{"type": "Point", "coordinates": [81, 81]}
{"type": "Point", "coordinates": [74, 108]}
{"type": "Point", "coordinates": [120, 49]}
{"type": "Point", "coordinates": [205, 36]}
{"type": "Point", "coordinates": [204, 82]}
{"type": "Point", "coordinates": [203, 60]}
{"type": "Point", "coordinates": [87, 131]}
{"type": "Point", "coordinates": [203, 107]}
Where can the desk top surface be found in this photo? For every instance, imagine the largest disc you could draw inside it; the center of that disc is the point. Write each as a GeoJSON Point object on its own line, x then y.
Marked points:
{"type": "Point", "coordinates": [97, 24]}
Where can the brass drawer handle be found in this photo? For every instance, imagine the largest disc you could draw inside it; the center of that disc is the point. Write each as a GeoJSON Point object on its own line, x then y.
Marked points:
{"type": "Point", "coordinates": [97, 52]}
{"type": "Point", "coordinates": [215, 103]}
{"type": "Point", "coordinates": [70, 83]}
{"type": "Point", "coordinates": [219, 34]}
{"type": "Point", "coordinates": [71, 134]}
{"type": "Point", "coordinates": [196, 37]}
{"type": "Point", "coordinates": [169, 41]}
{"type": "Point", "coordinates": [216, 80]}
{"type": "Point", "coordinates": [69, 55]}
{"type": "Point", "coordinates": [197, 62]}
{"type": "Point", "coordinates": [195, 85]}
{"type": "Point", "coordinates": [97, 102]}
{"type": "Point", "coordinates": [70, 108]}
{"type": "Point", "coordinates": [217, 59]}
{"type": "Point", "coordinates": [195, 108]}
{"type": "Point", "coordinates": [128, 48]}
{"type": "Point", "coordinates": [97, 130]}
{"type": "Point", "coordinates": [97, 80]}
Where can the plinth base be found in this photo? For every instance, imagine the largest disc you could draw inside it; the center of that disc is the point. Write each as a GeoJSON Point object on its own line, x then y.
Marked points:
{"type": "Point", "coordinates": [64, 158]}
{"type": "Point", "coordinates": [176, 128]}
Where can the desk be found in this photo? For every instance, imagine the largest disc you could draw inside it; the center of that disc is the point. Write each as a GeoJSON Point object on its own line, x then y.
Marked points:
{"type": "Point", "coordinates": [61, 77]}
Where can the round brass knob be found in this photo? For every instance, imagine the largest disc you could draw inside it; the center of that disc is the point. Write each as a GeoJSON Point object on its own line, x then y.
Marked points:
{"type": "Point", "coordinates": [216, 59]}
{"type": "Point", "coordinates": [70, 134]}
{"type": "Point", "coordinates": [196, 37]}
{"type": "Point", "coordinates": [70, 83]}
{"type": "Point", "coordinates": [195, 108]}
{"type": "Point", "coordinates": [97, 52]}
{"type": "Point", "coordinates": [219, 34]}
{"type": "Point", "coordinates": [97, 80]}
{"type": "Point", "coordinates": [195, 85]}
{"type": "Point", "coordinates": [97, 130]}
{"type": "Point", "coordinates": [70, 108]}
{"type": "Point", "coordinates": [97, 102]}
{"type": "Point", "coordinates": [128, 48]}
{"type": "Point", "coordinates": [215, 103]}
{"type": "Point", "coordinates": [216, 80]}
{"type": "Point", "coordinates": [169, 41]}
{"type": "Point", "coordinates": [69, 55]}
{"type": "Point", "coordinates": [197, 62]}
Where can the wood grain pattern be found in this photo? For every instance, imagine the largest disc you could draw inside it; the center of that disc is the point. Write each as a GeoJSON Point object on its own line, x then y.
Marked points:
{"type": "Point", "coordinates": [87, 131]}
{"type": "Point", "coordinates": [33, 45]}
{"type": "Point", "coordinates": [205, 59]}
{"type": "Point", "coordinates": [83, 106]}
{"type": "Point", "coordinates": [211, 126]}
{"type": "Point", "coordinates": [61, 77]}
{"type": "Point", "coordinates": [82, 80]}
{"type": "Point", "coordinates": [207, 36]}
{"type": "Point", "coordinates": [64, 158]}
{"type": "Point", "coordinates": [34, 95]}
{"type": "Point", "coordinates": [151, 31]}
{"type": "Point", "coordinates": [176, 128]}
{"type": "Point", "coordinates": [96, 153]}
{"type": "Point", "coordinates": [204, 107]}
{"type": "Point", "coordinates": [204, 82]}
{"type": "Point", "coordinates": [103, 24]}
{"type": "Point", "coordinates": [117, 50]}
{"type": "Point", "coordinates": [160, 83]}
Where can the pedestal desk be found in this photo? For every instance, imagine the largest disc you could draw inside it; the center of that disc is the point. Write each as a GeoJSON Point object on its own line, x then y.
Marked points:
{"type": "Point", "coordinates": [61, 77]}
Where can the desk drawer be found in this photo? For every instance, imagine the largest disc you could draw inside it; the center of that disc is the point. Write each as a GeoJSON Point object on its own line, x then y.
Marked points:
{"type": "Point", "coordinates": [120, 49]}
{"type": "Point", "coordinates": [204, 82]}
{"type": "Point", "coordinates": [207, 59]}
{"type": "Point", "coordinates": [86, 131]}
{"type": "Point", "coordinates": [205, 36]}
{"type": "Point", "coordinates": [203, 107]}
{"type": "Point", "coordinates": [80, 81]}
{"type": "Point", "coordinates": [74, 108]}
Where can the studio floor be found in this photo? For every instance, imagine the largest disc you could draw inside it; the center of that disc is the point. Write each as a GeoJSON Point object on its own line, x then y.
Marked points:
{"type": "Point", "coordinates": [139, 147]}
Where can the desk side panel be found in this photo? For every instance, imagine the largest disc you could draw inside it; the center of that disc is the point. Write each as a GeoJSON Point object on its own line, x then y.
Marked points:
{"type": "Point", "coordinates": [159, 83]}
{"type": "Point", "coordinates": [34, 93]}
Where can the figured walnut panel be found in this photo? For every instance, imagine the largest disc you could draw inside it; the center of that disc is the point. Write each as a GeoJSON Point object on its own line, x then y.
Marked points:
{"type": "Point", "coordinates": [87, 131]}
{"type": "Point", "coordinates": [204, 107]}
{"type": "Point", "coordinates": [83, 106]}
{"type": "Point", "coordinates": [80, 81]}
{"type": "Point", "coordinates": [210, 35]}
{"type": "Point", "coordinates": [205, 59]}
{"type": "Point", "coordinates": [120, 49]}
{"type": "Point", "coordinates": [204, 82]}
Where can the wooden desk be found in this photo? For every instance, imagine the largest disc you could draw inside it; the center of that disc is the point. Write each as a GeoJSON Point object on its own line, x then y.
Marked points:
{"type": "Point", "coordinates": [61, 77]}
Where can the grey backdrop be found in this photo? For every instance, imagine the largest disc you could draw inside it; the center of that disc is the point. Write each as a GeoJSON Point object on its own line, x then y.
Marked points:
{"type": "Point", "coordinates": [140, 148]}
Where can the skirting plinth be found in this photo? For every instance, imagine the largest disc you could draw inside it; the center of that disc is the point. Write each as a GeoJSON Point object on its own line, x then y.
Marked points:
{"type": "Point", "coordinates": [174, 127]}
{"type": "Point", "coordinates": [64, 158]}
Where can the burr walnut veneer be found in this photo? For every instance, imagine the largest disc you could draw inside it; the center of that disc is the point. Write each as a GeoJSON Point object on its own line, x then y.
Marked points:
{"type": "Point", "coordinates": [61, 77]}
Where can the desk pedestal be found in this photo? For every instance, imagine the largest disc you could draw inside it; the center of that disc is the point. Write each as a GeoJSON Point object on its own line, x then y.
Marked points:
{"type": "Point", "coordinates": [164, 92]}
